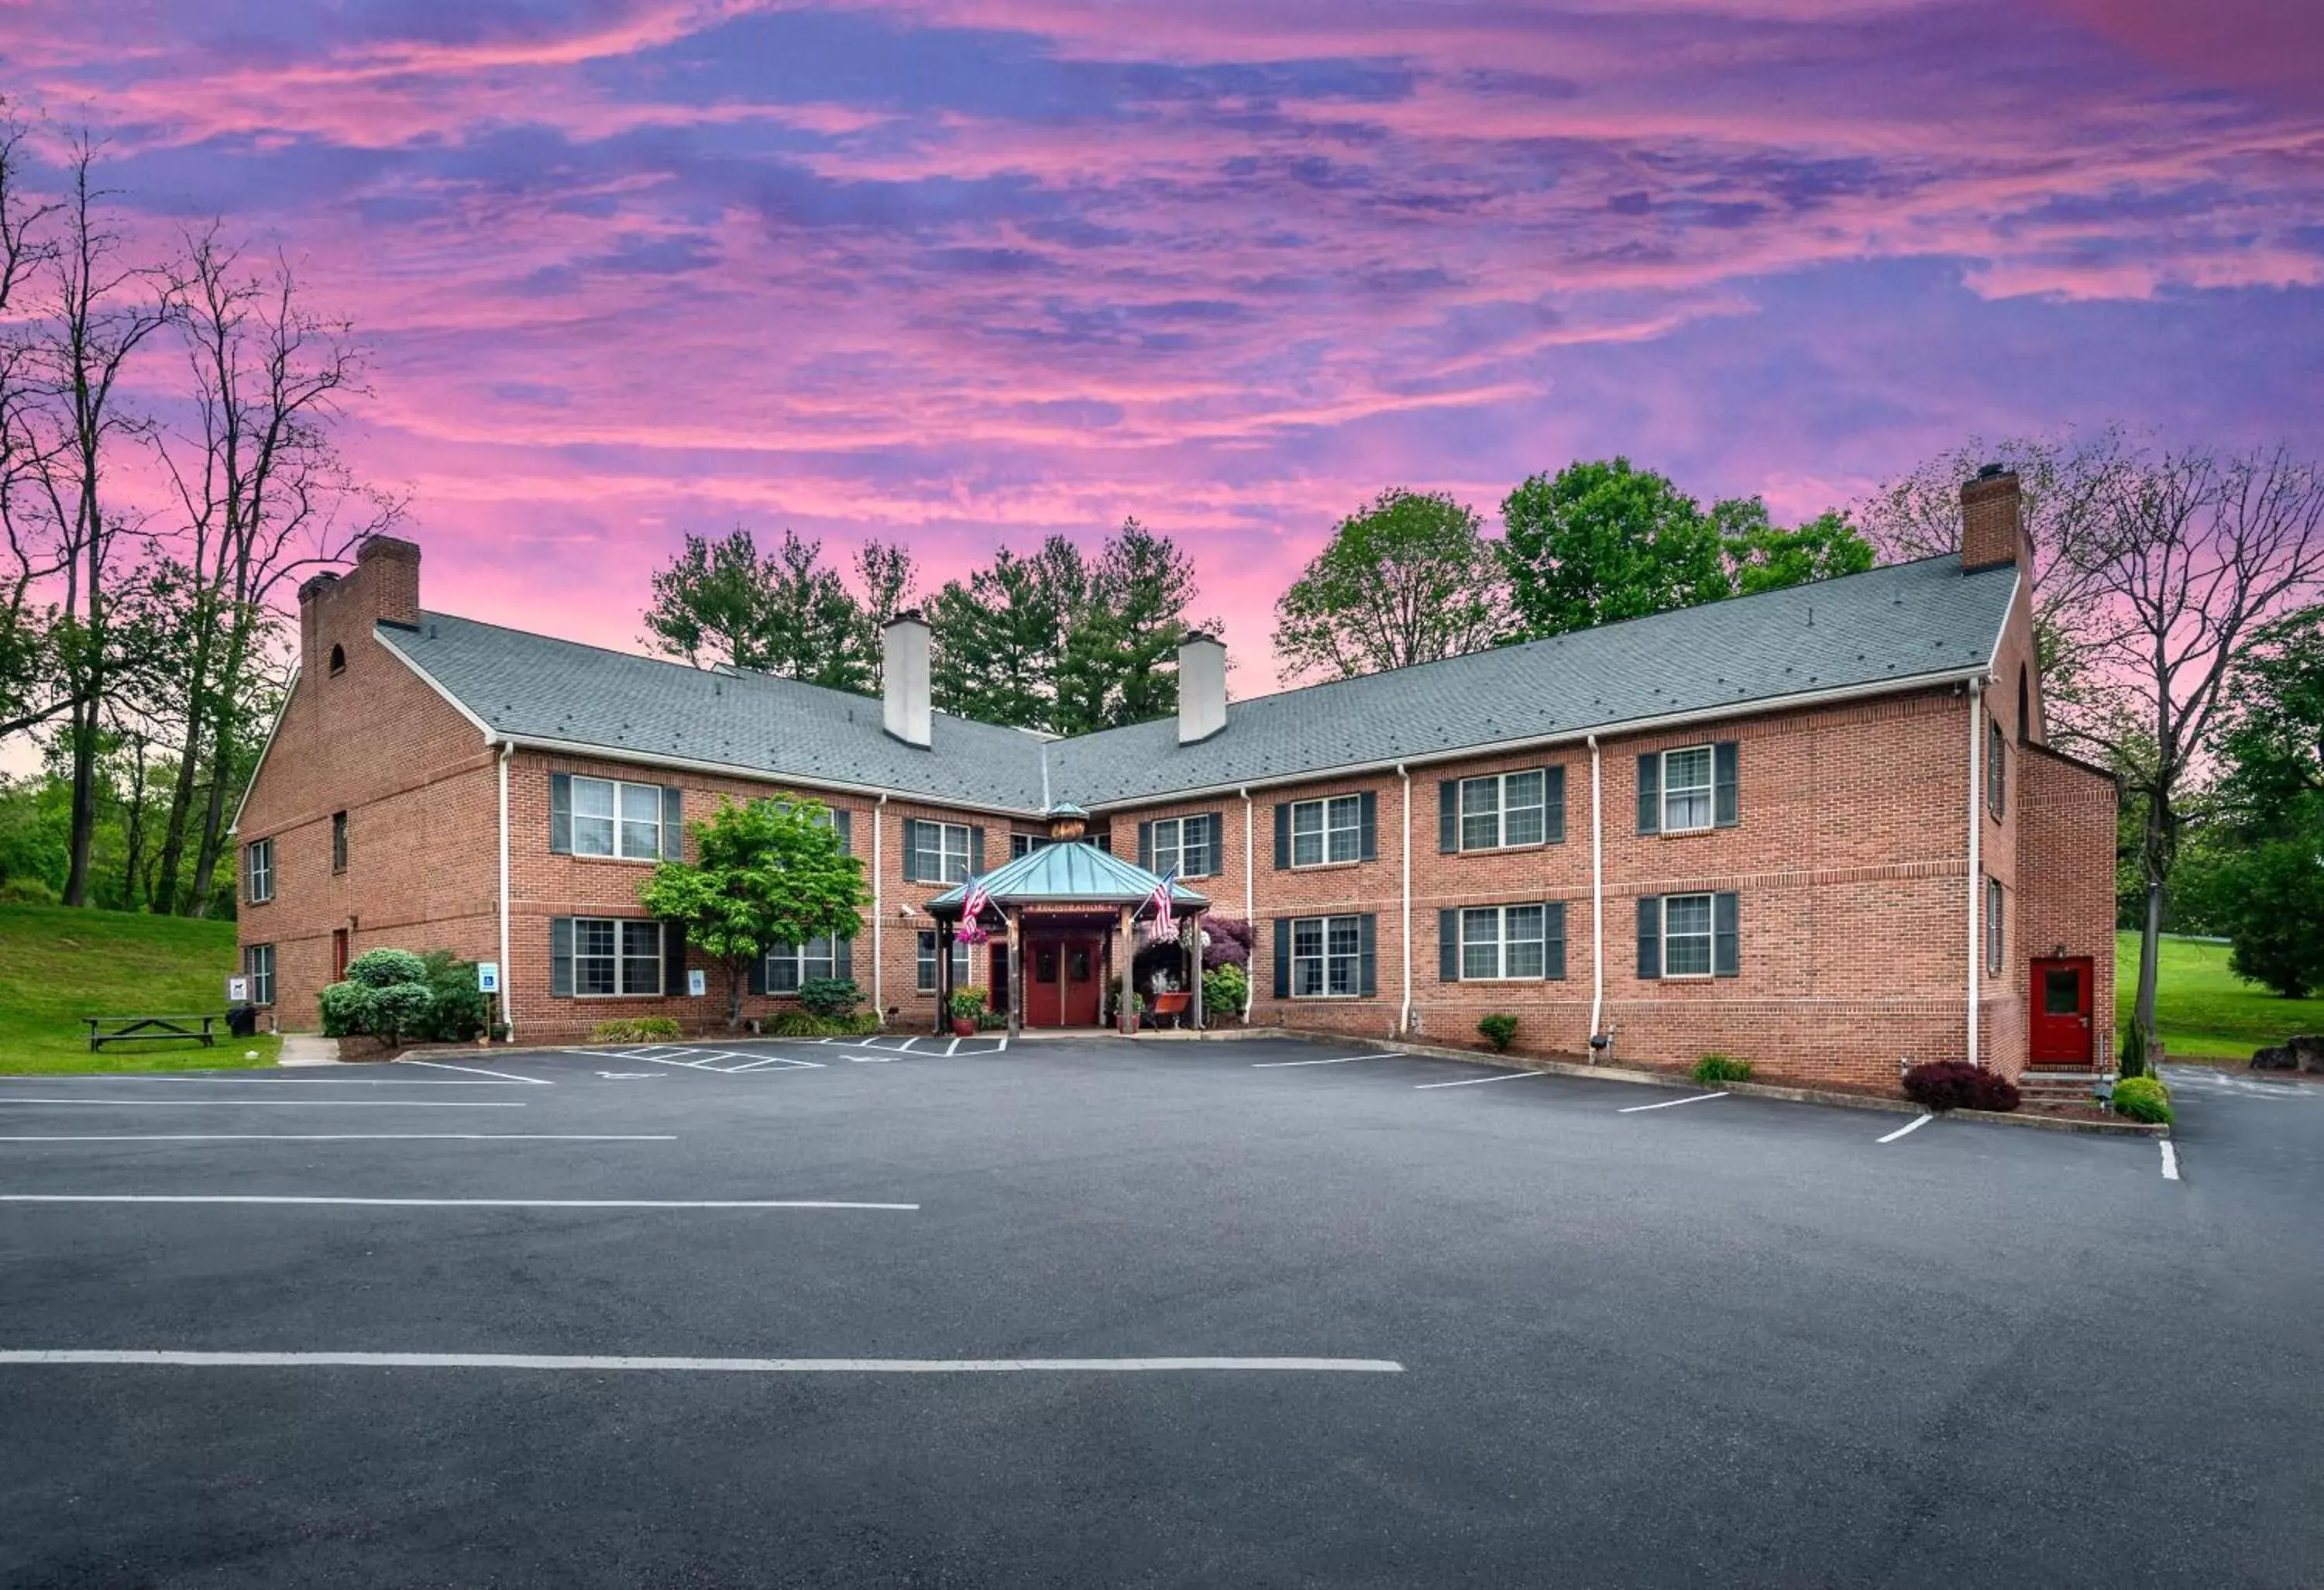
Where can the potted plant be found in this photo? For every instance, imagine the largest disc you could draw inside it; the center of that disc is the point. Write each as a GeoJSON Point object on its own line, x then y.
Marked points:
{"type": "Point", "coordinates": [965, 1006]}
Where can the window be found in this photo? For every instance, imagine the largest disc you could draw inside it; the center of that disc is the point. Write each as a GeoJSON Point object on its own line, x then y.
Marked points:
{"type": "Point", "coordinates": [1687, 935]}
{"type": "Point", "coordinates": [1325, 831]}
{"type": "Point", "coordinates": [1503, 811]}
{"type": "Point", "coordinates": [1326, 955]}
{"type": "Point", "coordinates": [1184, 845]}
{"type": "Point", "coordinates": [1500, 942]}
{"type": "Point", "coordinates": [1686, 790]}
{"type": "Point", "coordinates": [338, 842]}
{"type": "Point", "coordinates": [616, 955]}
{"type": "Point", "coordinates": [960, 973]}
{"type": "Point", "coordinates": [1996, 770]}
{"type": "Point", "coordinates": [338, 659]}
{"type": "Point", "coordinates": [939, 853]}
{"type": "Point", "coordinates": [1993, 942]}
{"type": "Point", "coordinates": [258, 965]}
{"type": "Point", "coordinates": [258, 871]}
{"type": "Point", "coordinates": [620, 820]}
{"type": "Point", "coordinates": [1025, 843]}
{"type": "Point", "coordinates": [790, 965]}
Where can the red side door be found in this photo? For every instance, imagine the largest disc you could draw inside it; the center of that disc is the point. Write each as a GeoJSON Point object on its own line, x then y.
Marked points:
{"type": "Point", "coordinates": [1083, 976]}
{"type": "Point", "coordinates": [1043, 1006]}
{"type": "Point", "coordinates": [2062, 1029]}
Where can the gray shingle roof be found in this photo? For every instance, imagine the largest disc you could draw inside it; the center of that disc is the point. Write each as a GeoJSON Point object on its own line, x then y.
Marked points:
{"type": "Point", "coordinates": [1903, 621]}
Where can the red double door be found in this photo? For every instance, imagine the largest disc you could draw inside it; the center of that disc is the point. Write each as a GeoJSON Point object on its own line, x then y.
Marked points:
{"type": "Point", "coordinates": [1063, 978]}
{"type": "Point", "coordinates": [2060, 1029]}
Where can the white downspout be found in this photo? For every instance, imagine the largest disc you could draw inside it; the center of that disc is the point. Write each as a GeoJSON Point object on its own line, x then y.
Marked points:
{"type": "Point", "coordinates": [1249, 910]}
{"type": "Point", "coordinates": [1597, 902]}
{"type": "Point", "coordinates": [508, 981]}
{"type": "Point", "coordinates": [879, 911]}
{"type": "Point", "coordinates": [1976, 861]}
{"type": "Point", "coordinates": [1404, 1017]}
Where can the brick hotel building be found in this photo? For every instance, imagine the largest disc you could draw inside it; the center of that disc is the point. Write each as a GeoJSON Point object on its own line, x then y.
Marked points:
{"type": "Point", "coordinates": [1818, 829]}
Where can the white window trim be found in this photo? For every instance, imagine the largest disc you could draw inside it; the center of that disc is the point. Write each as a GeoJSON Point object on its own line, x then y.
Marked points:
{"type": "Point", "coordinates": [1710, 937]}
{"type": "Point", "coordinates": [799, 959]}
{"type": "Point", "coordinates": [1178, 846]}
{"type": "Point", "coordinates": [1501, 942]}
{"type": "Point", "coordinates": [963, 965]}
{"type": "Point", "coordinates": [617, 853]}
{"type": "Point", "coordinates": [252, 872]}
{"type": "Point", "coordinates": [1710, 791]}
{"type": "Point", "coordinates": [620, 958]}
{"type": "Point", "coordinates": [1355, 831]}
{"type": "Point", "coordinates": [1501, 783]}
{"type": "Point", "coordinates": [943, 851]}
{"type": "Point", "coordinates": [1325, 956]}
{"type": "Point", "coordinates": [1996, 949]}
{"type": "Point", "coordinates": [257, 978]}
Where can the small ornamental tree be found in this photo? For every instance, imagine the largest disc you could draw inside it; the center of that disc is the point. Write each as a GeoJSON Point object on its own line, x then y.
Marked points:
{"type": "Point", "coordinates": [770, 872]}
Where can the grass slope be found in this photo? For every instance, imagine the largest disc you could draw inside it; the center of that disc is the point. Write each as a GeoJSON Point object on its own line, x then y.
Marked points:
{"type": "Point", "coordinates": [58, 966]}
{"type": "Point", "coordinates": [2201, 1008]}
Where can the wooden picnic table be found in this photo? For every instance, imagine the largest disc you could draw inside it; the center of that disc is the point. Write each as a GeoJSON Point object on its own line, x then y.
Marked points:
{"type": "Point", "coordinates": [104, 1030]}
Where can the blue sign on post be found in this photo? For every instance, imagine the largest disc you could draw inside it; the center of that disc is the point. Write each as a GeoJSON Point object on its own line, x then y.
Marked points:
{"type": "Point", "coordinates": [488, 976]}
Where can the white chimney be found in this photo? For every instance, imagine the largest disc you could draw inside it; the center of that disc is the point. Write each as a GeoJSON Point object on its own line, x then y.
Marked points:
{"type": "Point", "coordinates": [1202, 688]}
{"type": "Point", "coordinates": [904, 676]}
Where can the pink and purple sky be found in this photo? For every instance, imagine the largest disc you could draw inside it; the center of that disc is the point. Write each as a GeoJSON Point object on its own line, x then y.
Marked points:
{"type": "Point", "coordinates": [968, 271]}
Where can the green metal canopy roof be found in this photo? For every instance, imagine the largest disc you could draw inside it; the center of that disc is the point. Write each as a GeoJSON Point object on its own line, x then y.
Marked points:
{"type": "Point", "coordinates": [1070, 873]}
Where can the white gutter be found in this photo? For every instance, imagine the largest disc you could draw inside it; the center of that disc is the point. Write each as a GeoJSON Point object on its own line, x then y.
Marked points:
{"type": "Point", "coordinates": [1249, 913]}
{"type": "Point", "coordinates": [1976, 863]}
{"type": "Point", "coordinates": [508, 1019]}
{"type": "Point", "coordinates": [1404, 1017]}
{"type": "Point", "coordinates": [1597, 902]}
{"type": "Point", "coordinates": [879, 903]}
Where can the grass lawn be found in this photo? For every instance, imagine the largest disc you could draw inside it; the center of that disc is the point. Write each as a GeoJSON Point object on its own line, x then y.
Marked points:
{"type": "Point", "coordinates": [58, 966]}
{"type": "Point", "coordinates": [2201, 1008]}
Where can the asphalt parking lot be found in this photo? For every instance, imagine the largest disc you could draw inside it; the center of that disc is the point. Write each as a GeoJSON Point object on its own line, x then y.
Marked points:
{"type": "Point", "coordinates": [1079, 1313]}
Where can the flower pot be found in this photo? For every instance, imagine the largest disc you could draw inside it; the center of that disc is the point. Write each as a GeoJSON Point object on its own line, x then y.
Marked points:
{"type": "Point", "coordinates": [964, 1027]}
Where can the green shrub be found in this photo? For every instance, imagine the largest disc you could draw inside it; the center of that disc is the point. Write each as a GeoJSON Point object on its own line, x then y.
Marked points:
{"type": "Point", "coordinates": [1499, 1030]}
{"type": "Point", "coordinates": [458, 1012]}
{"type": "Point", "coordinates": [28, 891]}
{"type": "Point", "coordinates": [830, 996]}
{"type": "Point", "coordinates": [384, 968]}
{"type": "Point", "coordinates": [805, 1024]}
{"type": "Point", "coordinates": [345, 1009]}
{"type": "Point", "coordinates": [1224, 988]}
{"type": "Point", "coordinates": [965, 1004]}
{"type": "Point", "coordinates": [1721, 1069]}
{"type": "Point", "coordinates": [2142, 1098]}
{"type": "Point", "coordinates": [641, 1030]}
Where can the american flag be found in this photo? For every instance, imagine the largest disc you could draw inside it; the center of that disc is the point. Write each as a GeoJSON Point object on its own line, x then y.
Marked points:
{"type": "Point", "coordinates": [1163, 923]}
{"type": "Point", "coordinates": [972, 907]}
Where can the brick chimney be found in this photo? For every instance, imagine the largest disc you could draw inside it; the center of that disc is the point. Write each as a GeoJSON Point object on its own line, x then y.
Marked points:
{"type": "Point", "coordinates": [337, 612]}
{"type": "Point", "coordinates": [1993, 521]}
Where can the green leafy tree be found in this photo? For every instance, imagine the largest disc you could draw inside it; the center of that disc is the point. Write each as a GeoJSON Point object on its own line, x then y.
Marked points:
{"type": "Point", "coordinates": [2268, 894]}
{"type": "Point", "coordinates": [769, 871]}
{"type": "Point", "coordinates": [782, 611]}
{"type": "Point", "coordinates": [2274, 915]}
{"type": "Point", "coordinates": [1600, 540]}
{"type": "Point", "coordinates": [1409, 579]}
{"type": "Point", "coordinates": [998, 637]}
{"type": "Point", "coordinates": [1122, 652]}
{"type": "Point", "coordinates": [1763, 556]}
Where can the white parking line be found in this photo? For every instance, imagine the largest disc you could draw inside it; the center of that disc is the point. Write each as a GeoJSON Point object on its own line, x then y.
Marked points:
{"type": "Point", "coordinates": [52, 1356]}
{"type": "Point", "coordinates": [701, 1065]}
{"type": "Point", "coordinates": [870, 1059]}
{"type": "Point", "coordinates": [1472, 1081]}
{"type": "Point", "coordinates": [1337, 1060]}
{"type": "Point", "coordinates": [279, 1104]}
{"type": "Point", "coordinates": [446, 1203]}
{"type": "Point", "coordinates": [479, 1071]}
{"type": "Point", "coordinates": [363, 1137]}
{"type": "Point", "coordinates": [772, 1060]}
{"type": "Point", "coordinates": [2170, 1161]}
{"type": "Point", "coordinates": [1670, 1104]}
{"type": "Point", "coordinates": [1912, 1125]}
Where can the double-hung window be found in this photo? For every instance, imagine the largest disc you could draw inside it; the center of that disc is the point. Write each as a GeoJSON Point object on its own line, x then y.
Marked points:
{"type": "Point", "coordinates": [258, 871]}
{"type": "Point", "coordinates": [1326, 956]}
{"type": "Point", "coordinates": [1183, 844]}
{"type": "Point", "coordinates": [940, 853]}
{"type": "Point", "coordinates": [616, 957]}
{"type": "Point", "coordinates": [1503, 810]}
{"type": "Point", "coordinates": [928, 970]}
{"type": "Point", "coordinates": [1686, 790]}
{"type": "Point", "coordinates": [258, 967]}
{"type": "Point", "coordinates": [614, 818]}
{"type": "Point", "coordinates": [1326, 831]}
{"type": "Point", "coordinates": [790, 965]}
{"type": "Point", "coordinates": [1994, 898]}
{"type": "Point", "coordinates": [1501, 942]}
{"type": "Point", "coordinates": [1687, 935]}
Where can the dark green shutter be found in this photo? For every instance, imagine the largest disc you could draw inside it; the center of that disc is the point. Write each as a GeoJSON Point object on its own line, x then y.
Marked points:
{"type": "Point", "coordinates": [1146, 846]}
{"type": "Point", "coordinates": [1448, 946]}
{"type": "Point", "coordinates": [1282, 955]}
{"type": "Point", "coordinates": [673, 823]}
{"type": "Point", "coordinates": [1650, 935]}
{"type": "Point", "coordinates": [673, 957]}
{"type": "Point", "coordinates": [1726, 951]}
{"type": "Point", "coordinates": [923, 949]}
{"type": "Point", "coordinates": [1553, 938]}
{"type": "Point", "coordinates": [911, 850]}
{"type": "Point", "coordinates": [844, 821]}
{"type": "Point", "coordinates": [1369, 974]}
{"type": "Point", "coordinates": [1282, 837]}
{"type": "Point", "coordinates": [560, 813]}
{"type": "Point", "coordinates": [843, 959]}
{"type": "Point", "coordinates": [758, 974]}
{"type": "Point", "coordinates": [1650, 793]}
{"type": "Point", "coordinates": [1552, 804]}
{"type": "Point", "coordinates": [1448, 817]}
{"type": "Point", "coordinates": [1217, 822]}
{"type": "Point", "coordinates": [1368, 829]}
{"type": "Point", "coordinates": [976, 851]}
{"type": "Point", "coordinates": [560, 957]}
{"type": "Point", "coordinates": [1725, 793]}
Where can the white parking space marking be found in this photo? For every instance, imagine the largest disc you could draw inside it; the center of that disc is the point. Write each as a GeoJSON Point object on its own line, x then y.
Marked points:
{"type": "Point", "coordinates": [1335, 1061]}
{"type": "Point", "coordinates": [363, 1137]}
{"type": "Point", "coordinates": [55, 1356]}
{"type": "Point", "coordinates": [701, 1065]}
{"type": "Point", "coordinates": [1912, 1125]}
{"type": "Point", "coordinates": [1670, 1104]}
{"type": "Point", "coordinates": [450, 1203]}
{"type": "Point", "coordinates": [479, 1071]}
{"type": "Point", "coordinates": [870, 1059]}
{"type": "Point", "coordinates": [765, 1061]}
{"type": "Point", "coordinates": [1472, 1081]}
{"type": "Point", "coordinates": [2170, 1161]}
{"type": "Point", "coordinates": [277, 1103]}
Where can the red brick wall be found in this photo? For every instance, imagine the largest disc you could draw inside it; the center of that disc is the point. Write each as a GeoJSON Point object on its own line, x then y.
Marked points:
{"type": "Point", "coordinates": [2068, 875]}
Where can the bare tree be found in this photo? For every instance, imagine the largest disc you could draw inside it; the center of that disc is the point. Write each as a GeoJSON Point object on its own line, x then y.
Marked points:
{"type": "Point", "coordinates": [29, 693]}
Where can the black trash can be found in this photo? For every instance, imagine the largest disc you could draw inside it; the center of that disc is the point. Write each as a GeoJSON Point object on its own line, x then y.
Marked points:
{"type": "Point", "coordinates": [242, 1020]}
